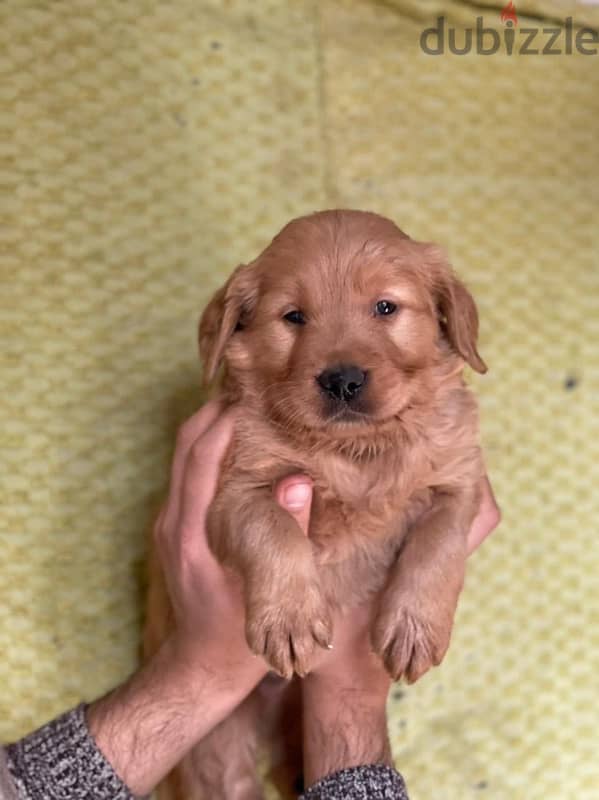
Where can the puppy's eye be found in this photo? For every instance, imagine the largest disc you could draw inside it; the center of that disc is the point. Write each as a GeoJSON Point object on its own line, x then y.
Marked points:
{"type": "Point", "coordinates": [295, 317]}
{"type": "Point", "coordinates": [385, 307]}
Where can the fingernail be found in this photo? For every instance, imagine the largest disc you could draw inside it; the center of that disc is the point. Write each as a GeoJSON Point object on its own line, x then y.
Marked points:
{"type": "Point", "coordinates": [297, 495]}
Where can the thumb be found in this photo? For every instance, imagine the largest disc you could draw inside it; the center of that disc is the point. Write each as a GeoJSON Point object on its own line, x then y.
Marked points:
{"type": "Point", "coordinates": [294, 494]}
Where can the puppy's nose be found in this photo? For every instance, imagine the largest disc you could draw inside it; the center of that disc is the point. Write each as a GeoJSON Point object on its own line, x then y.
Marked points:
{"type": "Point", "coordinates": [342, 382]}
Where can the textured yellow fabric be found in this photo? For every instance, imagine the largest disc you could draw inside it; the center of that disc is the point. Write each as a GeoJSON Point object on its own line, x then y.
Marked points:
{"type": "Point", "coordinates": [146, 148]}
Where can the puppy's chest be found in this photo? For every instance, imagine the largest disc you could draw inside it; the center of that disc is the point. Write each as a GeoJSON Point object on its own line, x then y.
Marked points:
{"type": "Point", "coordinates": [337, 478]}
{"type": "Point", "coordinates": [358, 506]}
{"type": "Point", "coordinates": [360, 514]}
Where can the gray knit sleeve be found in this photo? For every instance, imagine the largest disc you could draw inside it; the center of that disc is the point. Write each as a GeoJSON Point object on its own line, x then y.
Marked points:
{"type": "Point", "coordinates": [373, 782]}
{"type": "Point", "coordinates": [60, 761]}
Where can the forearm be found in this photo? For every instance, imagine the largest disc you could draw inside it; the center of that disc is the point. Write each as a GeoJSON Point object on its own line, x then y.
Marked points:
{"type": "Point", "coordinates": [125, 743]}
{"type": "Point", "coordinates": [147, 725]}
{"type": "Point", "coordinates": [342, 727]}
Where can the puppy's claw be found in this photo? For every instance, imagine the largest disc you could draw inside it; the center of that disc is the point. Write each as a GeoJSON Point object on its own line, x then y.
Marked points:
{"type": "Point", "coordinates": [321, 632]}
{"type": "Point", "coordinates": [287, 632]}
{"type": "Point", "coordinates": [285, 651]}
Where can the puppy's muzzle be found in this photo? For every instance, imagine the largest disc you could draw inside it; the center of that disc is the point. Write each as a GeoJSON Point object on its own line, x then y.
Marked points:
{"type": "Point", "coordinates": [342, 382]}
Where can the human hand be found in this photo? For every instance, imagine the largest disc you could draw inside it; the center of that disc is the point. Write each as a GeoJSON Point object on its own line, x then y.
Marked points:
{"type": "Point", "coordinates": [351, 640]}
{"type": "Point", "coordinates": [207, 599]}
{"type": "Point", "coordinates": [204, 669]}
{"type": "Point", "coordinates": [487, 518]}
{"type": "Point", "coordinates": [344, 697]}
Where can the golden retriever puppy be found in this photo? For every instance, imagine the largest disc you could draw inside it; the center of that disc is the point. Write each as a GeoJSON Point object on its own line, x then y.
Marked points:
{"type": "Point", "coordinates": [344, 342]}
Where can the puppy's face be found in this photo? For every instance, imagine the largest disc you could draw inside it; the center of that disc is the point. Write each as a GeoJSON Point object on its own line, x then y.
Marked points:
{"type": "Point", "coordinates": [338, 322]}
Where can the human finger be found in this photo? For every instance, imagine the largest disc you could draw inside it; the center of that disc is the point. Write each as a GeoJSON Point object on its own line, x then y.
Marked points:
{"type": "Point", "coordinates": [202, 469]}
{"type": "Point", "coordinates": [487, 518]}
{"type": "Point", "coordinates": [188, 433]}
{"type": "Point", "coordinates": [294, 494]}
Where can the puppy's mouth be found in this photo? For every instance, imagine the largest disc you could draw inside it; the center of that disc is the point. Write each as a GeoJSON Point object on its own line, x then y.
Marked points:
{"type": "Point", "coordinates": [347, 415]}
{"type": "Point", "coordinates": [338, 411]}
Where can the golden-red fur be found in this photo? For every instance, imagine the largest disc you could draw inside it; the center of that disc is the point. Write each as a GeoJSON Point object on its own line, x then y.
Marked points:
{"type": "Point", "coordinates": [395, 478]}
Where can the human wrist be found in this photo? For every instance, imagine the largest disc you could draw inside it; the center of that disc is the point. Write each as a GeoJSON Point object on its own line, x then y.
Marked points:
{"type": "Point", "coordinates": [344, 726]}
{"type": "Point", "coordinates": [354, 668]}
{"type": "Point", "coordinates": [145, 726]}
{"type": "Point", "coordinates": [200, 660]}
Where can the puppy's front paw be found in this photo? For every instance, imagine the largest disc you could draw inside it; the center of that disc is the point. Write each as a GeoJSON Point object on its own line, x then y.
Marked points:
{"type": "Point", "coordinates": [285, 625]}
{"type": "Point", "coordinates": [409, 638]}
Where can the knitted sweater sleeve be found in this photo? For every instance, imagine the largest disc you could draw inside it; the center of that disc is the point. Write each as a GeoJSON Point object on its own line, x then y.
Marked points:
{"type": "Point", "coordinates": [61, 761]}
{"type": "Point", "coordinates": [370, 782]}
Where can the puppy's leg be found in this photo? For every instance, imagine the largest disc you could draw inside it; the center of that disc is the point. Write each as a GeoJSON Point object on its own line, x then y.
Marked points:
{"type": "Point", "coordinates": [413, 627]}
{"type": "Point", "coordinates": [286, 612]}
{"type": "Point", "coordinates": [223, 765]}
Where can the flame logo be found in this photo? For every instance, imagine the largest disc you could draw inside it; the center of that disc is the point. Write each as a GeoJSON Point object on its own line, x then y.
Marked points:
{"type": "Point", "coordinates": [508, 14]}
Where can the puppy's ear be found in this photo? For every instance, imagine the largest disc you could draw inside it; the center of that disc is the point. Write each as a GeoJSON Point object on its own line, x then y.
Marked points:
{"type": "Point", "coordinates": [459, 319]}
{"type": "Point", "coordinates": [228, 311]}
{"type": "Point", "coordinates": [457, 311]}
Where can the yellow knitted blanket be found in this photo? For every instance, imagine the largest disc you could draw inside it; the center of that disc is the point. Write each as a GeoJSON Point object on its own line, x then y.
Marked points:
{"type": "Point", "coordinates": [147, 147]}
